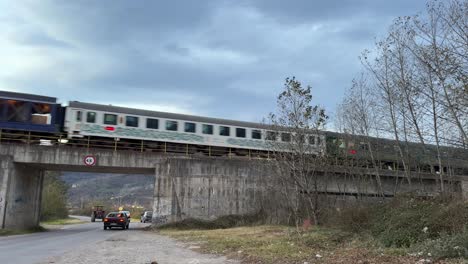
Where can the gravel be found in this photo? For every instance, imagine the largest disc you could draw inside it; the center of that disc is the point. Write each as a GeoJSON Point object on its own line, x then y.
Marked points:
{"type": "Point", "coordinates": [136, 247]}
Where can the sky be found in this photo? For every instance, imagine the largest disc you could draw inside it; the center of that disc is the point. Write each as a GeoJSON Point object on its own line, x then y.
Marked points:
{"type": "Point", "coordinates": [225, 59]}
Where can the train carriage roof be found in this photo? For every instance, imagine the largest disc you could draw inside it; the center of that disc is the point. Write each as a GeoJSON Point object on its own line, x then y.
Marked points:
{"type": "Point", "coordinates": [165, 115]}
{"type": "Point", "coordinates": [27, 97]}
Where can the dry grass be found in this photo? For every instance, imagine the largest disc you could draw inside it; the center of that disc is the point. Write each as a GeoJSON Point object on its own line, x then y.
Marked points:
{"type": "Point", "coordinates": [65, 221]}
{"type": "Point", "coordinates": [281, 244]}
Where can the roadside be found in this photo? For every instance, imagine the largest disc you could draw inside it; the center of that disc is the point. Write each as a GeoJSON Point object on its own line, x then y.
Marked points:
{"type": "Point", "coordinates": [136, 247]}
{"type": "Point", "coordinates": [10, 232]}
{"type": "Point", "coordinates": [47, 225]}
{"type": "Point", "coordinates": [89, 243]}
{"type": "Point", "coordinates": [282, 244]}
{"type": "Point", "coordinates": [63, 223]}
{"type": "Point", "coordinates": [66, 221]}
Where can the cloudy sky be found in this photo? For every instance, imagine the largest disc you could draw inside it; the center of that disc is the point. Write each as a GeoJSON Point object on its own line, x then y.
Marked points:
{"type": "Point", "coordinates": [215, 58]}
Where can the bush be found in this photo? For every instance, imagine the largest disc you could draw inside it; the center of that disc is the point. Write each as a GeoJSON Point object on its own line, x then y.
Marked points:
{"type": "Point", "coordinates": [222, 222]}
{"type": "Point", "coordinates": [406, 220]}
{"type": "Point", "coordinates": [446, 246]}
{"type": "Point", "coordinates": [355, 219]}
{"type": "Point", "coordinates": [324, 238]}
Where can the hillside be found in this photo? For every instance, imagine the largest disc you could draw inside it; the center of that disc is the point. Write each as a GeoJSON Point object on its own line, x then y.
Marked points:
{"type": "Point", "coordinates": [111, 189]}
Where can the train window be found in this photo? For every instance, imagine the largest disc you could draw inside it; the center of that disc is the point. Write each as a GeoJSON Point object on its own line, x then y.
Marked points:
{"type": "Point", "coordinates": [207, 129]}
{"type": "Point", "coordinates": [224, 131]}
{"type": "Point", "coordinates": [318, 141]}
{"type": "Point", "coordinates": [364, 146]}
{"type": "Point", "coordinates": [91, 117]}
{"type": "Point", "coordinates": [152, 123]}
{"type": "Point", "coordinates": [285, 137]}
{"type": "Point", "coordinates": [78, 116]}
{"type": "Point", "coordinates": [110, 119]}
{"type": "Point", "coordinates": [3, 104]}
{"type": "Point", "coordinates": [41, 114]}
{"type": "Point", "coordinates": [299, 139]}
{"type": "Point", "coordinates": [171, 125]}
{"type": "Point", "coordinates": [189, 127]}
{"type": "Point", "coordinates": [240, 132]}
{"type": "Point", "coordinates": [271, 135]}
{"type": "Point", "coordinates": [256, 134]}
{"type": "Point", "coordinates": [311, 140]}
{"type": "Point", "coordinates": [131, 121]}
{"type": "Point", "coordinates": [18, 111]}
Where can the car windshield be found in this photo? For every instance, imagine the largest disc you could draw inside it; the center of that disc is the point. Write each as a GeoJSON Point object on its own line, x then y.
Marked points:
{"type": "Point", "coordinates": [112, 215]}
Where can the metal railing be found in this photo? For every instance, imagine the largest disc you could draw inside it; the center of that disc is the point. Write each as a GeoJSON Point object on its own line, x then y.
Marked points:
{"type": "Point", "coordinates": [113, 144]}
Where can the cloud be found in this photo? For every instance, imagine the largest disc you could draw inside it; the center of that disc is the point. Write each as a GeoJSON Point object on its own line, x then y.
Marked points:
{"type": "Point", "coordinates": [216, 58]}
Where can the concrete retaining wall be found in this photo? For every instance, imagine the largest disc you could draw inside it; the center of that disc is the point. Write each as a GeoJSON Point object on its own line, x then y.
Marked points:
{"type": "Point", "coordinates": [208, 189]}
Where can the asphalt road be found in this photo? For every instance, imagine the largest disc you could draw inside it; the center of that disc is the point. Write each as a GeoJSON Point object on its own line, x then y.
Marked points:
{"type": "Point", "coordinates": [36, 247]}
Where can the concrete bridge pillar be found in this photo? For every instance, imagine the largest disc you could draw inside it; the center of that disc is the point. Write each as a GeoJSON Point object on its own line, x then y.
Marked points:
{"type": "Point", "coordinates": [207, 188]}
{"type": "Point", "coordinates": [20, 194]}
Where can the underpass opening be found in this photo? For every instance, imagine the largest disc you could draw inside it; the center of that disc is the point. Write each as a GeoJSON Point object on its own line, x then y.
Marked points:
{"type": "Point", "coordinates": [94, 195]}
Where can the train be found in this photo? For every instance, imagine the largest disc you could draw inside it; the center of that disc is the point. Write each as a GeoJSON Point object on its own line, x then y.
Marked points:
{"type": "Point", "coordinates": [98, 122]}
{"type": "Point", "coordinates": [40, 119]}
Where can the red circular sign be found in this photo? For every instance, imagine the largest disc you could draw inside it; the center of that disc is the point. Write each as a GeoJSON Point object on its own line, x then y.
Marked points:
{"type": "Point", "coordinates": [89, 160]}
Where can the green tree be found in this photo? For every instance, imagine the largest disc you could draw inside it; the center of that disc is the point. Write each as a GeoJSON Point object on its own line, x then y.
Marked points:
{"type": "Point", "coordinates": [54, 197]}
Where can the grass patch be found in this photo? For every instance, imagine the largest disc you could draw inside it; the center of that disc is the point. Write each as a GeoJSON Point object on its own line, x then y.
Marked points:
{"type": "Point", "coordinates": [406, 221]}
{"type": "Point", "coordinates": [283, 244]}
{"type": "Point", "coordinates": [64, 221]}
{"type": "Point", "coordinates": [267, 243]}
{"type": "Point", "coordinates": [403, 230]}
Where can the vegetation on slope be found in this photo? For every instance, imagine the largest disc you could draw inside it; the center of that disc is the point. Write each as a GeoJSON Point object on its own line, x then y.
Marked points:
{"type": "Point", "coordinates": [54, 197]}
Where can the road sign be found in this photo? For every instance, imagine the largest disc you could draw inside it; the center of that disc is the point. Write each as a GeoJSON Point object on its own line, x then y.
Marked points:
{"type": "Point", "coordinates": [89, 160]}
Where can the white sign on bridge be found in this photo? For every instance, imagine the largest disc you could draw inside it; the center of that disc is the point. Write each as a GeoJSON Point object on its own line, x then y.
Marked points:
{"type": "Point", "coordinates": [89, 160]}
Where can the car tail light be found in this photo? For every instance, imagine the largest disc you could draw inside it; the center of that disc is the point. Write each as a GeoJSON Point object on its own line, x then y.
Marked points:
{"type": "Point", "coordinates": [106, 220]}
{"type": "Point", "coordinates": [121, 220]}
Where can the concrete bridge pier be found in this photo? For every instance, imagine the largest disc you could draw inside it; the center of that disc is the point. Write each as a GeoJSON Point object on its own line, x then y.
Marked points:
{"type": "Point", "coordinates": [208, 188]}
{"type": "Point", "coordinates": [20, 194]}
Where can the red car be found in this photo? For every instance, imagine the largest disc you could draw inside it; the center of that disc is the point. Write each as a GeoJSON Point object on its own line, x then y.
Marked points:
{"type": "Point", "coordinates": [116, 219]}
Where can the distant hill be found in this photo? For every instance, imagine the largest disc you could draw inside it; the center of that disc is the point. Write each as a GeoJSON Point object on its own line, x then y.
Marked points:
{"type": "Point", "coordinates": [131, 190]}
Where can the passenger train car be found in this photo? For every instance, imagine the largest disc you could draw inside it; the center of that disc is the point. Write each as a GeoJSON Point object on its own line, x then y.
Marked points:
{"type": "Point", "coordinates": [25, 112]}
{"type": "Point", "coordinates": [85, 119]}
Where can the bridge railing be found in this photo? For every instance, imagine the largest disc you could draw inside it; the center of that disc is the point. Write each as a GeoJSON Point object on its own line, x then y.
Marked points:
{"type": "Point", "coordinates": [115, 144]}
{"type": "Point", "coordinates": [163, 147]}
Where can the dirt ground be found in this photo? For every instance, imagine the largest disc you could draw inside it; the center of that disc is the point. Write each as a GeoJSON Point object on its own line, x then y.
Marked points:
{"type": "Point", "coordinates": [137, 247]}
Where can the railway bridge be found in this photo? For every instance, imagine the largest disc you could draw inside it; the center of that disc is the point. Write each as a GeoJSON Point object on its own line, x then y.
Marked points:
{"type": "Point", "coordinates": [201, 187]}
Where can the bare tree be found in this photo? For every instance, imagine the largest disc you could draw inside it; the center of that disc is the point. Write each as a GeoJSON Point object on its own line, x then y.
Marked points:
{"type": "Point", "coordinates": [297, 145]}
{"type": "Point", "coordinates": [359, 116]}
{"type": "Point", "coordinates": [419, 81]}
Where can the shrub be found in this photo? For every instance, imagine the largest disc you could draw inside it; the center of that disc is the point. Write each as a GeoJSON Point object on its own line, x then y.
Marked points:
{"type": "Point", "coordinates": [406, 220]}
{"type": "Point", "coordinates": [446, 246]}
{"type": "Point", "coordinates": [221, 222]}
{"type": "Point", "coordinates": [354, 219]}
{"type": "Point", "coordinates": [324, 238]}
